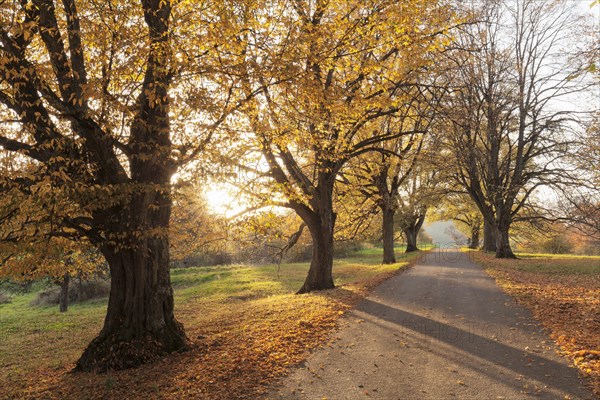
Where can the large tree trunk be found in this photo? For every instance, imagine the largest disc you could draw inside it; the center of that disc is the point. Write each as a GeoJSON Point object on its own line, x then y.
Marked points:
{"type": "Point", "coordinates": [489, 238]}
{"type": "Point", "coordinates": [320, 222]}
{"type": "Point", "coordinates": [63, 299]}
{"type": "Point", "coordinates": [139, 324]}
{"type": "Point", "coordinates": [320, 273]}
{"type": "Point", "coordinates": [503, 249]}
{"type": "Point", "coordinates": [388, 235]}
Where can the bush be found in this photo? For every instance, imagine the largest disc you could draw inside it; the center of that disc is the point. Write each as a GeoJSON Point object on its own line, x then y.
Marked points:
{"type": "Point", "coordinates": [558, 244]}
{"type": "Point", "coordinates": [11, 286]}
{"type": "Point", "coordinates": [4, 298]}
{"type": "Point", "coordinates": [348, 248]}
{"type": "Point", "coordinates": [78, 291]}
{"type": "Point", "coordinates": [203, 259]}
{"type": "Point", "coordinates": [46, 297]}
{"type": "Point", "coordinates": [299, 253]}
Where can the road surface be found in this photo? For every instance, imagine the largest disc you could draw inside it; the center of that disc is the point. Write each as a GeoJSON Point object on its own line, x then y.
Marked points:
{"type": "Point", "coordinates": [442, 330]}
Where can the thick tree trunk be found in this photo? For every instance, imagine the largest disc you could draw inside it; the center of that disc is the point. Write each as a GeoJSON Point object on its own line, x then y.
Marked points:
{"type": "Point", "coordinates": [489, 238]}
{"type": "Point", "coordinates": [320, 221]}
{"type": "Point", "coordinates": [139, 325]}
{"type": "Point", "coordinates": [411, 239]}
{"type": "Point", "coordinates": [503, 249]}
{"type": "Point", "coordinates": [320, 273]}
{"type": "Point", "coordinates": [64, 293]}
{"type": "Point", "coordinates": [388, 235]}
{"type": "Point", "coordinates": [475, 229]}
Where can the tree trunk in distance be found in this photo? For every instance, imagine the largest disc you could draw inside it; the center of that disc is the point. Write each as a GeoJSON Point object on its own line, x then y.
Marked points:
{"type": "Point", "coordinates": [412, 232]}
{"type": "Point", "coordinates": [411, 240]}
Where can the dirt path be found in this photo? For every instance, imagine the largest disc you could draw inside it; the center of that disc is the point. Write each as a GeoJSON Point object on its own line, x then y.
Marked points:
{"type": "Point", "coordinates": [442, 330]}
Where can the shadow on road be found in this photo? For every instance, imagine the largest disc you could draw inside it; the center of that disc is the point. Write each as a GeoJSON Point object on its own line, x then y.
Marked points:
{"type": "Point", "coordinates": [428, 332]}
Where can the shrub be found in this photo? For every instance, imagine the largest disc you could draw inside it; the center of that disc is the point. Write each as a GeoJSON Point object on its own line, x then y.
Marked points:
{"type": "Point", "coordinates": [558, 244]}
{"type": "Point", "coordinates": [78, 291]}
{"type": "Point", "coordinates": [11, 286]}
{"type": "Point", "coordinates": [299, 253]}
{"type": "Point", "coordinates": [347, 248]}
{"type": "Point", "coordinates": [4, 298]}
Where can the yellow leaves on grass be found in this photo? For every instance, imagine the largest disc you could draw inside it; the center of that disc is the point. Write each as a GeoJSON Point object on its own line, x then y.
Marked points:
{"type": "Point", "coordinates": [239, 347]}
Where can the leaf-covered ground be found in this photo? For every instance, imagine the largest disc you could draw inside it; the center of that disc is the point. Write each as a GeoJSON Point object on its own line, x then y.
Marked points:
{"type": "Point", "coordinates": [245, 324]}
{"type": "Point", "coordinates": [564, 295]}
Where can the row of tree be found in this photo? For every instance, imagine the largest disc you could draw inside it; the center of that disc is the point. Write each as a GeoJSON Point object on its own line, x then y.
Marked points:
{"type": "Point", "coordinates": [107, 108]}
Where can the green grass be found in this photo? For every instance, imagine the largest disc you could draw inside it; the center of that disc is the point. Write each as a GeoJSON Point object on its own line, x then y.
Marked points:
{"type": "Point", "coordinates": [40, 336]}
{"type": "Point", "coordinates": [244, 281]}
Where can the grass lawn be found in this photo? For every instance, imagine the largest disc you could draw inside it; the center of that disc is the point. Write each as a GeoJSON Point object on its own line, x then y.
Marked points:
{"type": "Point", "coordinates": [563, 292]}
{"type": "Point", "coordinates": [244, 322]}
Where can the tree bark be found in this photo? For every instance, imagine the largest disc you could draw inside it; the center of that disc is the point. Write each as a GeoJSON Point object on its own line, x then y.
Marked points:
{"type": "Point", "coordinates": [64, 293]}
{"type": "Point", "coordinates": [475, 229]}
{"type": "Point", "coordinates": [411, 240]}
{"type": "Point", "coordinates": [503, 249]}
{"type": "Point", "coordinates": [489, 238]}
{"type": "Point", "coordinates": [320, 221]}
{"type": "Point", "coordinates": [388, 235]}
{"type": "Point", "coordinates": [140, 324]}
{"type": "Point", "coordinates": [411, 231]}
{"type": "Point", "coordinates": [320, 273]}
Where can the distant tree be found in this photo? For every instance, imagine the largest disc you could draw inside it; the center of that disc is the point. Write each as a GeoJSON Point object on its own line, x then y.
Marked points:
{"type": "Point", "coordinates": [457, 236]}
{"type": "Point", "coordinates": [459, 208]}
{"type": "Point", "coordinates": [581, 205]}
{"type": "Point", "coordinates": [506, 136]}
{"type": "Point", "coordinates": [376, 178]}
{"type": "Point", "coordinates": [558, 244]}
{"type": "Point", "coordinates": [269, 235]}
{"type": "Point", "coordinates": [381, 176]}
{"type": "Point", "coordinates": [333, 71]}
{"type": "Point", "coordinates": [193, 227]}
{"type": "Point", "coordinates": [420, 191]}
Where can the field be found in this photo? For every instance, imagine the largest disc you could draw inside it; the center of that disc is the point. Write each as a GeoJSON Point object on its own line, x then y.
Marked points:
{"type": "Point", "coordinates": [563, 292]}
{"type": "Point", "coordinates": [245, 324]}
